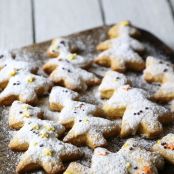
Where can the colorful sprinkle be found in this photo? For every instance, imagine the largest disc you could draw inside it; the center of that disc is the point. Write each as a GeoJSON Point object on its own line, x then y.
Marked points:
{"type": "Point", "coordinates": [44, 135]}
{"type": "Point", "coordinates": [13, 73]}
{"type": "Point", "coordinates": [72, 56]}
{"type": "Point", "coordinates": [50, 128]}
{"type": "Point", "coordinates": [85, 120]}
{"type": "Point", "coordinates": [47, 152]}
{"type": "Point", "coordinates": [35, 144]}
{"type": "Point", "coordinates": [26, 114]}
{"type": "Point", "coordinates": [30, 79]}
{"type": "Point", "coordinates": [25, 107]}
{"type": "Point", "coordinates": [128, 165]}
{"type": "Point", "coordinates": [124, 23]}
{"type": "Point", "coordinates": [35, 127]}
{"type": "Point", "coordinates": [158, 142]}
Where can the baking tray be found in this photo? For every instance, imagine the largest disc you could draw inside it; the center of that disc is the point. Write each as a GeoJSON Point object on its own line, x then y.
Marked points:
{"type": "Point", "coordinates": [85, 42]}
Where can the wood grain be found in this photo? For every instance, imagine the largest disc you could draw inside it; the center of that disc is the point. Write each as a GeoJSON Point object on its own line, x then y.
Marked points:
{"type": "Point", "coordinates": [15, 23]}
{"type": "Point", "coordinates": [154, 16]}
{"type": "Point", "coordinates": [60, 17]}
{"type": "Point", "coordinates": [172, 3]}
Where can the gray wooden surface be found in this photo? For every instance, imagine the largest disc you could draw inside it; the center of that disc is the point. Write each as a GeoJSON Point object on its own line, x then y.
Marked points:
{"type": "Point", "coordinates": [24, 22]}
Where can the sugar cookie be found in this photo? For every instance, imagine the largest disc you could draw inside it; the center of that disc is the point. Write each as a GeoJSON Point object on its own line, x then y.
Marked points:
{"type": "Point", "coordinates": [39, 139]}
{"type": "Point", "coordinates": [137, 112]}
{"type": "Point", "coordinates": [111, 81]}
{"type": "Point", "coordinates": [131, 158]}
{"type": "Point", "coordinates": [72, 77]}
{"type": "Point", "coordinates": [25, 87]}
{"type": "Point", "coordinates": [156, 69]}
{"type": "Point", "coordinates": [121, 58]}
{"type": "Point", "coordinates": [165, 147]}
{"type": "Point", "coordinates": [123, 28]}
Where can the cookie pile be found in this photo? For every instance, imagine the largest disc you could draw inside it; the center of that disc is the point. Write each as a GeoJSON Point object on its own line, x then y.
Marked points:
{"type": "Point", "coordinates": [51, 138]}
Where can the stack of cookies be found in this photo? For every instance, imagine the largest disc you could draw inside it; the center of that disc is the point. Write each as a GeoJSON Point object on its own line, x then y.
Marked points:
{"type": "Point", "coordinates": [50, 138]}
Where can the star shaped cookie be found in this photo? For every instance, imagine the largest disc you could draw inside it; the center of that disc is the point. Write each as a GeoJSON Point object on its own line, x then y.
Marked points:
{"type": "Point", "coordinates": [39, 139]}
{"type": "Point", "coordinates": [61, 49]}
{"type": "Point", "coordinates": [72, 77]}
{"type": "Point", "coordinates": [9, 67]}
{"type": "Point", "coordinates": [25, 87]}
{"type": "Point", "coordinates": [92, 131]}
{"type": "Point", "coordinates": [20, 112]}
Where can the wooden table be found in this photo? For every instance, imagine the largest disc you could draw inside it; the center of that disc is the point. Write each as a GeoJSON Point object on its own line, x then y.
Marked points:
{"type": "Point", "coordinates": [24, 22]}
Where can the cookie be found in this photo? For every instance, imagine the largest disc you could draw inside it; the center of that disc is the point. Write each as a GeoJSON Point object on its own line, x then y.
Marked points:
{"type": "Point", "coordinates": [165, 147]}
{"type": "Point", "coordinates": [25, 87]}
{"type": "Point", "coordinates": [20, 112]}
{"type": "Point", "coordinates": [74, 109]}
{"type": "Point", "coordinates": [92, 131]}
{"type": "Point", "coordinates": [81, 117]}
{"type": "Point", "coordinates": [4, 58]}
{"type": "Point", "coordinates": [60, 97]}
{"type": "Point", "coordinates": [138, 113]}
{"type": "Point", "coordinates": [9, 67]}
{"type": "Point", "coordinates": [111, 81]}
{"type": "Point", "coordinates": [121, 41]}
{"type": "Point", "coordinates": [165, 92]}
{"type": "Point", "coordinates": [131, 158]}
{"type": "Point", "coordinates": [72, 77]}
{"type": "Point", "coordinates": [58, 47]}
{"type": "Point", "coordinates": [39, 138]}
{"type": "Point", "coordinates": [63, 100]}
{"type": "Point", "coordinates": [125, 95]}
{"type": "Point", "coordinates": [156, 69]}
{"type": "Point", "coordinates": [121, 58]}
{"type": "Point", "coordinates": [123, 28]}
{"type": "Point", "coordinates": [72, 58]}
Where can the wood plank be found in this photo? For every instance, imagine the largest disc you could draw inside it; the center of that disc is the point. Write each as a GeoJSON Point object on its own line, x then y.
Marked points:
{"type": "Point", "coordinates": [172, 3]}
{"type": "Point", "coordinates": [15, 23]}
{"type": "Point", "coordinates": [148, 14]}
{"type": "Point", "coordinates": [61, 17]}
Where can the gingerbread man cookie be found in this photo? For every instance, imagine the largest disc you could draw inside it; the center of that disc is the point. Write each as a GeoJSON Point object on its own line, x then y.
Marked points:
{"type": "Point", "coordinates": [25, 87]}
{"type": "Point", "coordinates": [39, 139]}
{"type": "Point", "coordinates": [72, 77]}
{"type": "Point", "coordinates": [137, 112]}
{"type": "Point", "coordinates": [165, 147]}
{"type": "Point", "coordinates": [123, 28]}
{"type": "Point", "coordinates": [156, 69]}
{"type": "Point", "coordinates": [121, 58]}
{"type": "Point", "coordinates": [111, 81]}
{"type": "Point", "coordinates": [120, 41]}
{"type": "Point", "coordinates": [131, 158]}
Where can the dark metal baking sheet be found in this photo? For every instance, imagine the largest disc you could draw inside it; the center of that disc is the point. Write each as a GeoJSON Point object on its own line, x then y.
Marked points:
{"type": "Point", "coordinates": [85, 42]}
